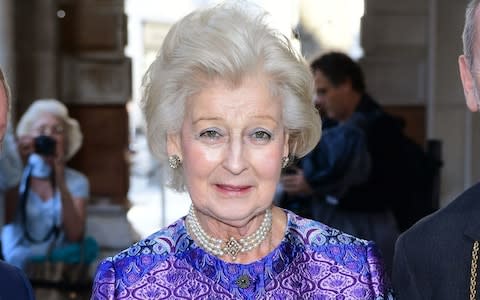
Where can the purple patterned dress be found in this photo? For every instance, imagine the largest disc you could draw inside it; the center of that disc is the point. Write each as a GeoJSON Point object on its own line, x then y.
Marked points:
{"type": "Point", "coordinates": [313, 261]}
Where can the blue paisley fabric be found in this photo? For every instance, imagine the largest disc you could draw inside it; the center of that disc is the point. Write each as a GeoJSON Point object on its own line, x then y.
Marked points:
{"type": "Point", "coordinates": [313, 261]}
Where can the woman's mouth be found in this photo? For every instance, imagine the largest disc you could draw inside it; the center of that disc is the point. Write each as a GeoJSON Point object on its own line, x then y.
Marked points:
{"type": "Point", "coordinates": [233, 189]}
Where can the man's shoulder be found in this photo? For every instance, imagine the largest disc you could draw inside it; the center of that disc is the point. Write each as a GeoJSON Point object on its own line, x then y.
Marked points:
{"type": "Point", "coordinates": [8, 271]}
{"type": "Point", "coordinates": [13, 283]}
{"type": "Point", "coordinates": [447, 221]}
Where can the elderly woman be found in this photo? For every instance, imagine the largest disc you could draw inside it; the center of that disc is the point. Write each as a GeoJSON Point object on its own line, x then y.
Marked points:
{"type": "Point", "coordinates": [227, 101]}
{"type": "Point", "coordinates": [52, 197]}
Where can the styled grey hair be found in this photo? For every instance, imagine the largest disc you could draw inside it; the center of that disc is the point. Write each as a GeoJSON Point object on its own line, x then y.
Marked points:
{"type": "Point", "coordinates": [4, 82]}
{"type": "Point", "coordinates": [469, 32]}
{"type": "Point", "coordinates": [52, 106]}
{"type": "Point", "coordinates": [229, 43]}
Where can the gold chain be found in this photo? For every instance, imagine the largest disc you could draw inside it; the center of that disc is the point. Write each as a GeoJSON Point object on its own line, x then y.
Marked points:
{"type": "Point", "coordinates": [473, 272]}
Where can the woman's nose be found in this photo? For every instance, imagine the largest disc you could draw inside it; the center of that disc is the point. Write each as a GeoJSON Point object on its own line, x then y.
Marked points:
{"type": "Point", "coordinates": [47, 131]}
{"type": "Point", "coordinates": [235, 161]}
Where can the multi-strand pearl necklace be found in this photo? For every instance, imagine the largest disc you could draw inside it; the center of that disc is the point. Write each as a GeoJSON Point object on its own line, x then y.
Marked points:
{"type": "Point", "coordinates": [230, 246]}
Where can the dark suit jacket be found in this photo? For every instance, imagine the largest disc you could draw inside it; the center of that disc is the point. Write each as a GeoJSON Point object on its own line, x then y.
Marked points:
{"type": "Point", "coordinates": [14, 284]}
{"type": "Point", "coordinates": [433, 258]}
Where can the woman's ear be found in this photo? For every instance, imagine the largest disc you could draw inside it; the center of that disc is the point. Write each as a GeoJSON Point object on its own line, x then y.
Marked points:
{"type": "Point", "coordinates": [468, 83]}
{"type": "Point", "coordinates": [174, 145]}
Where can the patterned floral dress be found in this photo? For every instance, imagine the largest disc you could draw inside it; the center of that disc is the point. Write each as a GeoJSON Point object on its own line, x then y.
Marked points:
{"type": "Point", "coordinates": [313, 261]}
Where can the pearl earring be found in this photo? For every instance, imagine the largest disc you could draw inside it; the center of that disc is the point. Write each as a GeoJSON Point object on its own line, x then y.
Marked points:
{"type": "Point", "coordinates": [174, 161]}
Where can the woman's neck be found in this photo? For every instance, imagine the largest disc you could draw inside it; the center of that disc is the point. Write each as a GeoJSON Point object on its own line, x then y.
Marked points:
{"type": "Point", "coordinates": [273, 240]}
{"type": "Point", "coordinates": [275, 234]}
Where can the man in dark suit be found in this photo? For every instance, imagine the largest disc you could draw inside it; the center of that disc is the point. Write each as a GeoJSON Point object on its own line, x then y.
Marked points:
{"type": "Point", "coordinates": [437, 257]}
{"type": "Point", "coordinates": [13, 283]}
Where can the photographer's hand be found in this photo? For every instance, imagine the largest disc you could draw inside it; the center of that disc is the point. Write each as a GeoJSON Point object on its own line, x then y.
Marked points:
{"type": "Point", "coordinates": [73, 209]}
{"type": "Point", "coordinates": [295, 184]}
{"type": "Point", "coordinates": [25, 147]}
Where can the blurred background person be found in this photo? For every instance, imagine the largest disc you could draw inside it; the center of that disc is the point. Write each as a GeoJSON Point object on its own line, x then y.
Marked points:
{"type": "Point", "coordinates": [339, 160]}
{"type": "Point", "coordinates": [13, 282]}
{"type": "Point", "coordinates": [395, 189]}
{"type": "Point", "coordinates": [402, 173]}
{"type": "Point", "coordinates": [52, 197]}
{"type": "Point", "coordinates": [313, 185]}
{"type": "Point", "coordinates": [227, 118]}
{"type": "Point", "coordinates": [361, 153]}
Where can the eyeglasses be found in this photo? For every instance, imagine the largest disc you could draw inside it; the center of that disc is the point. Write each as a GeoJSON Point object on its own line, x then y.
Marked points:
{"type": "Point", "coordinates": [48, 130]}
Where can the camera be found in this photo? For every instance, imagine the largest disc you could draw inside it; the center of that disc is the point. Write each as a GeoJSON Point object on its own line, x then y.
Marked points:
{"type": "Point", "coordinates": [44, 145]}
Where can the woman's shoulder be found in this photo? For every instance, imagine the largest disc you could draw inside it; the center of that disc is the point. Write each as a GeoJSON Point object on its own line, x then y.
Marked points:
{"type": "Point", "coordinates": [321, 239]}
{"type": "Point", "coordinates": [77, 183]}
{"type": "Point", "coordinates": [315, 233]}
{"type": "Point", "coordinates": [76, 178]}
{"type": "Point", "coordinates": [72, 174]}
{"type": "Point", "coordinates": [157, 247]}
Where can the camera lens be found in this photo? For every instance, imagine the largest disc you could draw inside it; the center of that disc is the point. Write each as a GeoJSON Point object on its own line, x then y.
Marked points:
{"type": "Point", "coordinates": [44, 145]}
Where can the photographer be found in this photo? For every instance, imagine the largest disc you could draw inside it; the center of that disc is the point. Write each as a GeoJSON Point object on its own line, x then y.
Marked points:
{"type": "Point", "coordinates": [51, 203]}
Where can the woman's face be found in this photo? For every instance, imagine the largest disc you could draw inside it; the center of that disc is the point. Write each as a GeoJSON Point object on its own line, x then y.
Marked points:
{"type": "Point", "coordinates": [231, 144]}
{"type": "Point", "coordinates": [50, 125]}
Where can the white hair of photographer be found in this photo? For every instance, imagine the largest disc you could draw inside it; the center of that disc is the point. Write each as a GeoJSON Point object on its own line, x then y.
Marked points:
{"type": "Point", "coordinates": [73, 133]}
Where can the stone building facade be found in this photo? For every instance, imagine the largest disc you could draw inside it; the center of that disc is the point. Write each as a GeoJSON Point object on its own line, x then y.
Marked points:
{"type": "Point", "coordinates": [74, 50]}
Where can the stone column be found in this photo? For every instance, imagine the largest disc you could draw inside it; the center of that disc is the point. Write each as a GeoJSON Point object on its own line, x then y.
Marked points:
{"type": "Point", "coordinates": [411, 50]}
{"type": "Point", "coordinates": [451, 121]}
{"type": "Point", "coordinates": [96, 85]}
{"type": "Point", "coordinates": [395, 50]}
{"type": "Point", "coordinates": [36, 44]}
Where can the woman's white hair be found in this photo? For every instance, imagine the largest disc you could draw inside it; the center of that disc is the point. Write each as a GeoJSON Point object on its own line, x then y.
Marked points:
{"type": "Point", "coordinates": [229, 43]}
{"type": "Point", "coordinates": [73, 133]}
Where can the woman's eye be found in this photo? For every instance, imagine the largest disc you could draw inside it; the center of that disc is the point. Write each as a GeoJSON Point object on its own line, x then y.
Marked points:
{"type": "Point", "coordinates": [262, 135]}
{"type": "Point", "coordinates": [210, 134]}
